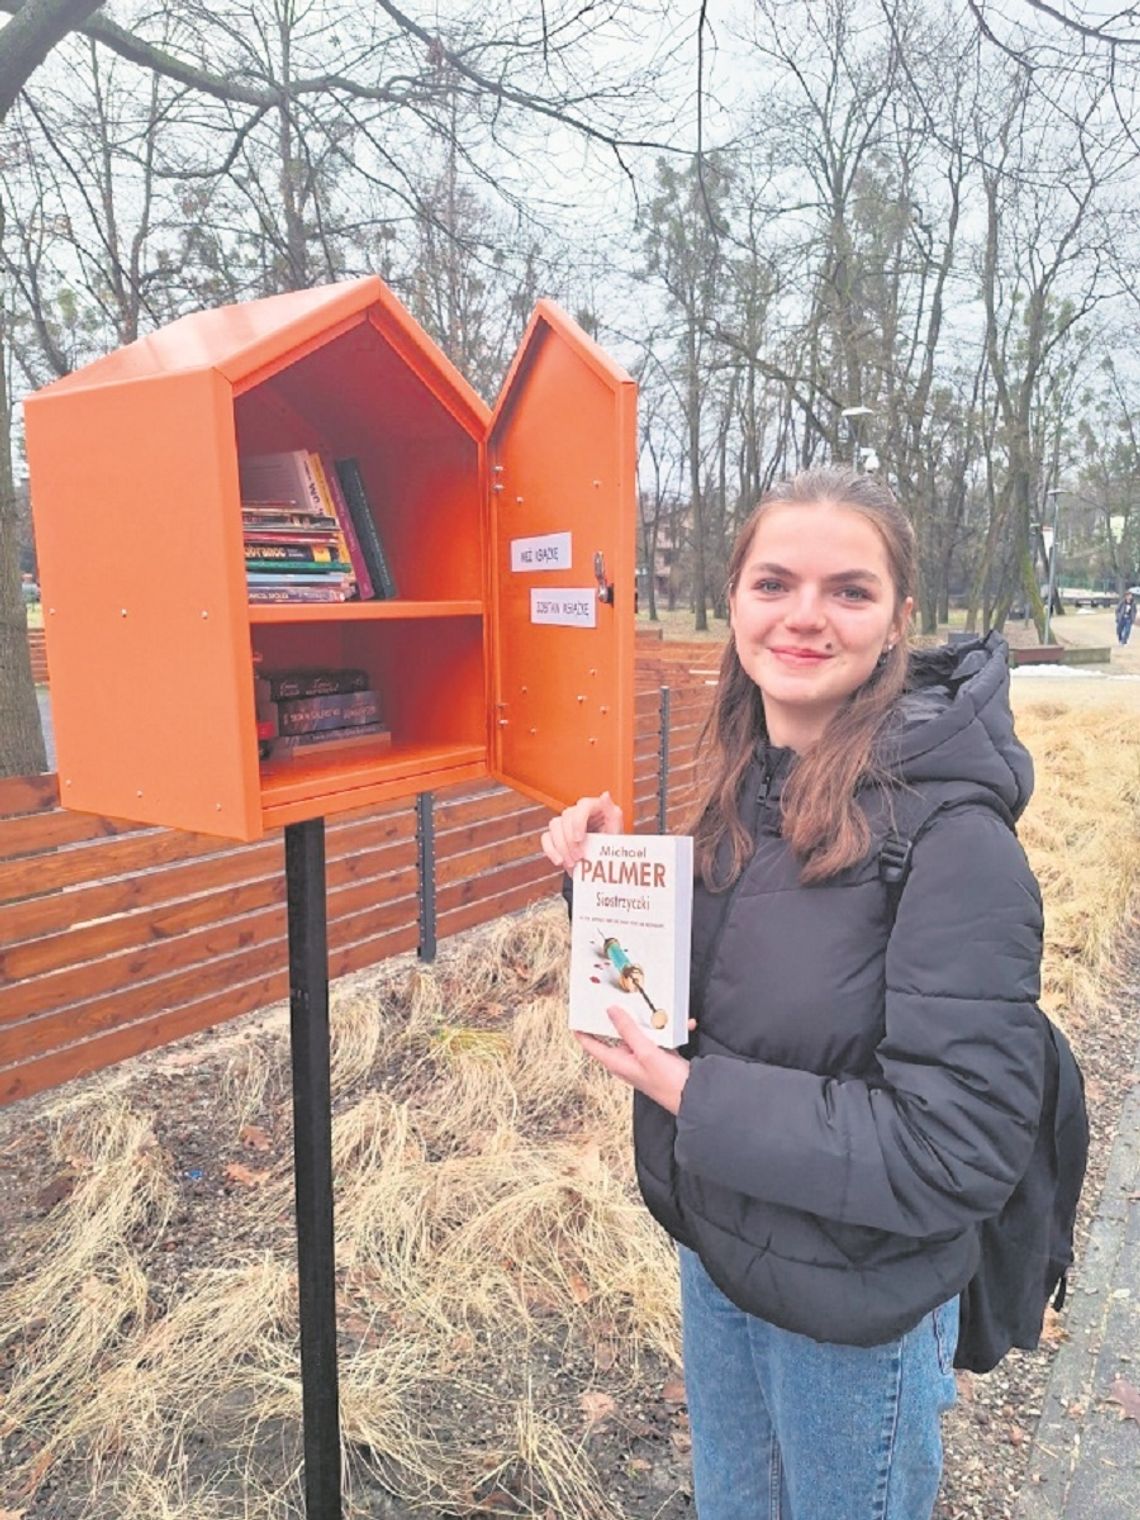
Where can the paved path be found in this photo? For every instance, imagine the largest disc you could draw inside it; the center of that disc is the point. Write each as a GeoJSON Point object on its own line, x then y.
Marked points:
{"type": "Point", "coordinates": [1085, 1461]}
{"type": "Point", "coordinates": [45, 723]}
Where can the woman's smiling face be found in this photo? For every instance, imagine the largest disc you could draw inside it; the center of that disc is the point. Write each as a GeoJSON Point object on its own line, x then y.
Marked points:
{"type": "Point", "coordinates": [814, 608]}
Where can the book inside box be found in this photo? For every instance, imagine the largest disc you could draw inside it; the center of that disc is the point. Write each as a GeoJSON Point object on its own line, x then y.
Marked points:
{"type": "Point", "coordinates": [355, 398]}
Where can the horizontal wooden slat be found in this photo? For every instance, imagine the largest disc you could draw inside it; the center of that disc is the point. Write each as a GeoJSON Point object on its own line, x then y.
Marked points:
{"type": "Point", "coordinates": [38, 1036]}
{"type": "Point", "coordinates": [28, 794]}
{"type": "Point", "coordinates": [472, 864]}
{"type": "Point", "coordinates": [456, 812]}
{"type": "Point", "coordinates": [77, 1060]}
{"type": "Point", "coordinates": [35, 832]}
{"type": "Point", "coordinates": [528, 821]}
{"type": "Point", "coordinates": [507, 876]}
{"type": "Point", "coordinates": [346, 850]}
{"type": "Point", "coordinates": [484, 911]}
{"type": "Point", "coordinates": [125, 856]}
{"type": "Point", "coordinates": [161, 940]}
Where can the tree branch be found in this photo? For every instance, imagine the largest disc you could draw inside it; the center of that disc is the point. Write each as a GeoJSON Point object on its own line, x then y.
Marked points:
{"type": "Point", "coordinates": [35, 28]}
{"type": "Point", "coordinates": [1074, 24]}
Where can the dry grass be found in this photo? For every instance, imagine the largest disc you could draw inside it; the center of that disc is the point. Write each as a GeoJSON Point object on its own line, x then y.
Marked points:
{"type": "Point", "coordinates": [1082, 834]}
{"type": "Point", "coordinates": [488, 1233]}
{"type": "Point", "coordinates": [485, 1217]}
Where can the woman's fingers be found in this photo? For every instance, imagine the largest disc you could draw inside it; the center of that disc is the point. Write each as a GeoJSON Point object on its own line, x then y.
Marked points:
{"type": "Point", "coordinates": [564, 838]}
{"type": "Point", "coordinates": [607, 816]}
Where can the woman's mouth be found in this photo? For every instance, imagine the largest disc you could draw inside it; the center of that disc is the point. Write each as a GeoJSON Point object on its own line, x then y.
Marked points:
{"type": "Point", "coordinates": [792, 655]}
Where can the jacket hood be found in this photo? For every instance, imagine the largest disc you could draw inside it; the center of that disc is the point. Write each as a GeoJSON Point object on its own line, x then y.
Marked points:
{"type": "Point", "coordinates": [955, 722]}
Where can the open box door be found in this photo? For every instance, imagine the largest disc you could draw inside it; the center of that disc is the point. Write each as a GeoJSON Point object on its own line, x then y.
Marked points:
{"type": "Point", "coordinates": [561, 462]}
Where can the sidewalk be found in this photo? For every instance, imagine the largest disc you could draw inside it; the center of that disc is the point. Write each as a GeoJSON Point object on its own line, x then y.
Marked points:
{"type": "Point", "coordinates": [1085, 1461]}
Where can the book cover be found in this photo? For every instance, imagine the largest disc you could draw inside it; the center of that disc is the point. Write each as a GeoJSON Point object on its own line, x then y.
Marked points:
{"type": "Point", "coordinates": [332, 484]}
{"type": "Point", "coordinates": [265, 709]}
{"type": "Point", "coordinates": [302, 715]}
{"type": "Point", "coordinates": [269, 595]}
{"type": "Point", "coordinates": [270, 551]}
{"type": "Point", "coordinates": [352, 486]}
{"type": "Point", "coordinates": [629, 937]}
{"type": "Point", "coordinates": [274, 511]}
{"type": "Point", "coordinates": [289, 533]}
{"type": "Point", "coordinates": [315, 466]}
{"type": "Point", "coordinates": [297, 570]}
{"type": "Point", "coordinates": [278, 478]}
{"type": "Point", "coordinates": [315, 683]}
{"type": "Point", "coordinates": [367, 735]}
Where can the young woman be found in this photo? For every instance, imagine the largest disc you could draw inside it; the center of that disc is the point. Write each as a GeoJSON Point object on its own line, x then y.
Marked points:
{"type": "Point", "coordinates": [864, 1079]}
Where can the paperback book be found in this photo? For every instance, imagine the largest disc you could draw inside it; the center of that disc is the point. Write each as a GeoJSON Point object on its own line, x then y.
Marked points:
{"type": "Point", "coordinates": [629, 939]}
{"type": "Point", "coordinates": [373, 736]}
{"type": "Point", "coordinates": [295, 481]}
{"type": "Point", "coordinates": [355, 498]}
{"type": "Point", "coordinates": [311, 711]}
{"type": "Point", "coordinates": [304, 715]}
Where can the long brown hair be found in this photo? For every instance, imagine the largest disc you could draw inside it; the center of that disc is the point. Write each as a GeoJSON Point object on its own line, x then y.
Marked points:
{"type": "Point", "coordinates": [821, 819]}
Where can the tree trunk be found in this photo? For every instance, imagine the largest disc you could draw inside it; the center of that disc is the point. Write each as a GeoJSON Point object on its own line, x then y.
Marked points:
{"type": "Point", "coordinates": [21, 737]}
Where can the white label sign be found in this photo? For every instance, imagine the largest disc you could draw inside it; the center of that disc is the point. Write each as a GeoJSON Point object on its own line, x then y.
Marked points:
{"type": "Point", "coordinates": [566, 609]}
{"type": "Point", "coordinates": [551, 551]}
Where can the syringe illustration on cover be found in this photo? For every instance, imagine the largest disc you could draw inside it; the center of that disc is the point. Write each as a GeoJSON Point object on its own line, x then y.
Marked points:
{"type": "Point", "coordinates": [631, 977]}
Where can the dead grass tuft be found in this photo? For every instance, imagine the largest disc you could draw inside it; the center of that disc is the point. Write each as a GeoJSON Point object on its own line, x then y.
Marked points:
{"type": "Point", "coordinates": [80, 1292]}
{"type": "Point", "coordinates": [1082, 835]}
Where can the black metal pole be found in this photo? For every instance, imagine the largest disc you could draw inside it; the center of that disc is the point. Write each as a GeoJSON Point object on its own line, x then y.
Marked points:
{"type": "Point", "coordinates": [425, 850]}
{"type": "Point", "coordinates": [312, 1163]}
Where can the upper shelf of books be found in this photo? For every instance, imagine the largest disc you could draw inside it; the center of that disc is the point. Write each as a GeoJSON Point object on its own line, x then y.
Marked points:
{"type": "Point", "coordinates": [359, 479]}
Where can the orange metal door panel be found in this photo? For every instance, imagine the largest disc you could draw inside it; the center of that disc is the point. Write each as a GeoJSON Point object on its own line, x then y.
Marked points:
{"type": "Point", "coordinates": [562, 458]}
{"type": "Point", "coordinates": [139, 539]}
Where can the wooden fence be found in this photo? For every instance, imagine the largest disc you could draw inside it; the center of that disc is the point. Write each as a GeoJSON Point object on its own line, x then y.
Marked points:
{"type": "Point", "coordinates": [38, 653]}
{"type": "Point", "coordinates": [117, 938]}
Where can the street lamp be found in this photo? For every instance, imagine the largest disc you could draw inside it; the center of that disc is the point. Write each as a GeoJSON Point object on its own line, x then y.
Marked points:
{"type": "Point", "coordinates": [1055, 493]}
{"type": "Point", "coordinates": [854, 415]}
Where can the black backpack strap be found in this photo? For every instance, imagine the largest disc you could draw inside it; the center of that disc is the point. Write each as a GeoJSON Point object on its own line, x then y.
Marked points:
{"type": "Point", "coordinates": [910, 813]}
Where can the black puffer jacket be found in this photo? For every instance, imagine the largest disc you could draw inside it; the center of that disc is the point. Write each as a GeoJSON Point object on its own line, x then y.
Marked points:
{"type": "Point", "coordinates": [862, 1095]}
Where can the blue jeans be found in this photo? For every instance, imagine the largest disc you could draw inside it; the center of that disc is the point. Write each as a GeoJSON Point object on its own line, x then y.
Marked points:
{"type": "Point", "coordinates": [787, 1428]}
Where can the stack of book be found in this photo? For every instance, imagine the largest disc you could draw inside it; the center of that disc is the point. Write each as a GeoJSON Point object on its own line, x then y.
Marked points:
{"type": "Point", "coordinates": [305, 712]}
{"type": "Point", "coordinates": [309, 534]}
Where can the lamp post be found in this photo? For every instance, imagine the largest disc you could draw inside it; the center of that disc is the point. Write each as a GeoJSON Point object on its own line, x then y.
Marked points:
{"type": "Point", "coordinates": [854, 415]}
{"type": "Point", "coordinates": [1055, 493]}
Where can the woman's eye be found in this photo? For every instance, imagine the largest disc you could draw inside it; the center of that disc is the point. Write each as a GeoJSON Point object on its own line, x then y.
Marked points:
{"type": "Point", "coordinates": [768, 585]}
{"type": "Point", "coordinates": [855, 594]}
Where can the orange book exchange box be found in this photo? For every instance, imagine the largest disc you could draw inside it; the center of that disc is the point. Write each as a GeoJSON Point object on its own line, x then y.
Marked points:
{"type": "Point", "coordinates": [498, 643]}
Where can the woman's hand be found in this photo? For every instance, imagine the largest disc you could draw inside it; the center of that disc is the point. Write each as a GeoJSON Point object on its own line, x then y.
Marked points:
{"type": "Point", "coordinates": [564, 838]}
{"type": "Point", "coordinates": [639, 1061]}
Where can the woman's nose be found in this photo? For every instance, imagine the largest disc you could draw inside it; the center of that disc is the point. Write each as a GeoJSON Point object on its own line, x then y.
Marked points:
{"type": "Point", "coordinates": [806, 609]}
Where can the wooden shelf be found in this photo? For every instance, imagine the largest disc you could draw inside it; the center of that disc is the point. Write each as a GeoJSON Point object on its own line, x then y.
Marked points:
{"type": "Point", "coordinates": [295, 780]}
{"type": "Point", "coordinates": [355, 612]}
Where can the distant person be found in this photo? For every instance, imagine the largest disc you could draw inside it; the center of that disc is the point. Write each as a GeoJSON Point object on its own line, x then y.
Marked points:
{"type": "Point", "coordinates": [1125, 617]}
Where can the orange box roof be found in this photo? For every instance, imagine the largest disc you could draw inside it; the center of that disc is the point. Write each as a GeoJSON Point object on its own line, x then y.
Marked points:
{"type": "Point", "coordinates": [241, 340]}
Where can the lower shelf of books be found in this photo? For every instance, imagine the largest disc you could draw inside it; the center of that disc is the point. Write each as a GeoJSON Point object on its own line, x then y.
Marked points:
{"type": "Point", "coordinates": [341, 770]}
